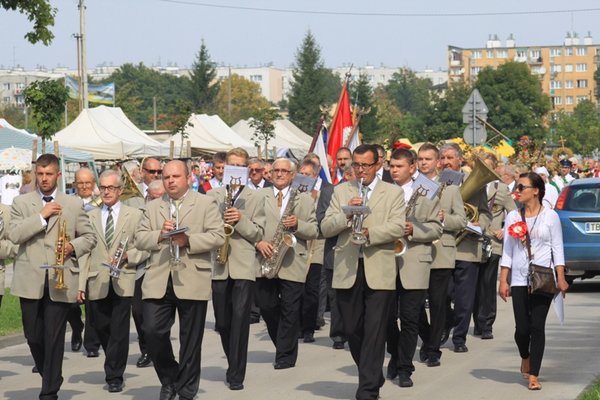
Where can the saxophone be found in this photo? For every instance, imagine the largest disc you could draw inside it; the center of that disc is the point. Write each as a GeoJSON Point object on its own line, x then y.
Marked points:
{"type": "Point", "coordinates": [115, 261]}
{"type": "Point", "coordinates": [60, 250]}
{"type": "Point", "coordinates": [282, 242]}
{"type": "Point", "coordinates": [223, 252]}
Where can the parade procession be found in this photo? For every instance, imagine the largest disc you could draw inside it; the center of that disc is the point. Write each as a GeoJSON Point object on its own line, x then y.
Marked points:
{"type": "Point", "coordinates": [361, 233]}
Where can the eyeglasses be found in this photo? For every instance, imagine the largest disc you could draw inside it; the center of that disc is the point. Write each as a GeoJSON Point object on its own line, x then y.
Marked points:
{"type": "Point", "coordinates": [362, 166]}
{"type": "Point", "coordinates": [253, 170]}
{"type": "Point", "coordinates": [281, 171]}
{"type": "Point", "coordinates": [109, 189]}
{"type": "Point", "coordinates": [520, 187]}
{"type": "Point", "coordinates": [153, 171]}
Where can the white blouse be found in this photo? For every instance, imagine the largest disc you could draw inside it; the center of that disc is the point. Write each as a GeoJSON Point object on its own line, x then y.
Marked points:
{"type": "Point", "coordinates": [546, 244]}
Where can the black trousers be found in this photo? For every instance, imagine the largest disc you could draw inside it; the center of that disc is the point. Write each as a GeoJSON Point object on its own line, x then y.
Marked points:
{"type": "Point", "coordinates": [484, 308]}
{"type": "Point", "coordinates": [365, 316]}
{"type": "Point", "coordinates": [91, 341]}
{"type": "Point", "coordinates": [159, 317]}
{"type": "Point", "coordinates": [110, 317]}
{"type": "Point", "coordinates": [464, 281]}
{"type": "Point", "coordinates": [310, 299]}
{"type": "Point", "coordinates": [323, 289]}
{"type": "Point", "coordinates": [336, 328]}
{"type": "Point", "coordinates": [138, 315]}
{"type": "Point", "coordinates": [402, 342]}
{"type": "Point", "coordinates": [44, 325]}
{"type": "Point", "coordinates": [279, 302]}
{"type": "Point", "coordinates": [431, 332]}
{"type": "Point", "coordinates": [232, 300]}
{"type": "Point", "coordinates": [530, 322]}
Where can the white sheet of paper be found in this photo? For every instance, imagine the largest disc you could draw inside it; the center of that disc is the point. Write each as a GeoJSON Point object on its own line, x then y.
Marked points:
{"type": "Point", "coordinates": [474, 229]}
{"type": "Point", "coordinates": [559, 307]}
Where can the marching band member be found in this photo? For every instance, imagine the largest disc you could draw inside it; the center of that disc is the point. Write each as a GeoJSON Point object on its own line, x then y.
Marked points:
{"type": "Point", "coordinates": [233, 278]}
{"type": "Point", "coordinates": [110, 297]}
{"type": "Point", "coordinates": [218, 168]}
{"type": "Point", "coordinates": [178, 278]}
{"type": "Point", "coordinates": [365, 275]}
{"type": "Point", "coordinates": [256, 178]}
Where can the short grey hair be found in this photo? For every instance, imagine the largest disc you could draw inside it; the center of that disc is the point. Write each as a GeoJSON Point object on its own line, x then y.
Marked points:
{"type": "Point", "coordinates": [111, 172]}
{"type": "Point", "coordinates": [452, 146]}
{"type": "Point", "coordinates": [255, 160]}
{"type": "Point", "coordinates": [293, 166]}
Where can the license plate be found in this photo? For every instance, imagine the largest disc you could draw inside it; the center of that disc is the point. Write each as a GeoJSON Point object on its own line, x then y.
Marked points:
{"type": "Point", "coordinates": [592, 227]}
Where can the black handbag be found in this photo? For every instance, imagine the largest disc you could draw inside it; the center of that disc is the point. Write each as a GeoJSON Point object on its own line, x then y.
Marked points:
{"type": "Point", "coordinates": [541, 279]}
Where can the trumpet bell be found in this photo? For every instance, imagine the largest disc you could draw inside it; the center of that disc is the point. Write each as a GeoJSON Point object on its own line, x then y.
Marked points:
{"type": "Point", "coordinates": [358, 238]}
{"type": "Point", "coordinates": [400, 247]}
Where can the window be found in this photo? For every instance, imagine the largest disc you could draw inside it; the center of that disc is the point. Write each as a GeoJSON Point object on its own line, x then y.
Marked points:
{"type": "Point", "coordinates": [581, 98]}
{"type": "Point", "coordinates": [20, 100]}
{"type": "Point", "coordinates": [556, 68]}
{"type": "Point", "coordinates": [569, 84]}
{"type": "Point", "coordinates": [7, 86]}
{"type": "Point", "coordinates": [582, 67]}
{"type": "Point", "coordinates": [557, 101]}
{"type": "Point", "coordinates": [582, 83]}
{"type": "Point", "coordinates": [568, 67]}
{"type": "Point", "coordinates": [569, 51]}
{"type": "Point", "coordinates": [490, 54]}
{"type": "Point", "coordinates": [475, 71]}
{"type": "Point", "coordinates": [534, 54]}
{"type": "Point", "coordinates": [581, 51]}
{"type": "Point", "coordinates": [6, 99]}
{"type": "Point", "coordinates": [569, 100]}
{"type": "Point", "coordinates": [554, 84]}
{"type": "Point", "coordinates": [501, 54]}
{"type": "Point", "coordinates": [555, 52]}
{"type": "Point", "coordinates": [256, 78]}
{"type": "Point", "coordinates": [476, 54]}
{"type": "Point", "coordinates": [20, 85]}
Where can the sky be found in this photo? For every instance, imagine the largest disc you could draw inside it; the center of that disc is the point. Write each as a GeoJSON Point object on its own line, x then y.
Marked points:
{"type": "Point", "coordinates": [170, 31]}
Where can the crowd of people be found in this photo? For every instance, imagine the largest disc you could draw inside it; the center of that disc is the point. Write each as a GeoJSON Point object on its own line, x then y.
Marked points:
{"type": "Point", "coordinates": [147, 241]}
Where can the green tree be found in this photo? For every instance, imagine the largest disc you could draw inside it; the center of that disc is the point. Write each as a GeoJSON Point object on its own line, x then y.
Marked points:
{"type": "Point", "coordinates": [46, 100]}
{"type": "Point", "coordinates": [410, 93]}
{"type": "Point", "coordinates": [180, 121]}
{"type": "Point", "coordinates": [40, 12]}
{"type": "Point", "coordinates": [445, 120]}
{"type": "Point", "coordinates": [361, 95]}
{"type": "Point", "coordinates": [246, 99]}
{"type": "Point", "coordinates": [388, 117]}
{"type": "Point", "coordinates": [264, 129]}
{"type": "Point", "coordinates": [14, 115]}
{"type": "Point", "coordinates": [204, 89]}
{"type": "Point", "coordinates": [581, 129]}
{"type": "Point", "coordinates": [597, 79]}
{"type": "Point", "coordinates": [515, 100]}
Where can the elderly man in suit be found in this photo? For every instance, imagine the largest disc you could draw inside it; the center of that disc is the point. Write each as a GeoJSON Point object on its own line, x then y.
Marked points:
{"type": "Point", "coordinates": [7, 248]}
{"type": "Point", "coordinates": [233, 278]}
{"type": "Point", "coordinates": [36, 219]}
{"type": "Point", "coordinates": [110, 297]}
{"type": "Point", "coordinates": [422, 228]}
{"type": "Point", "coordinates": [279, 298]}
{"type": "Point", "coordinates": [365, 275]}
{"type": "Point", "coordinates": [178, 278]}
{"type": "Point", "coordinates": [453, 219]}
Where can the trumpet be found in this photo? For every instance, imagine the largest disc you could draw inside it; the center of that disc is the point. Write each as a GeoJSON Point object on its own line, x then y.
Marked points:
{"type": "Point", "coordinates": [60, 253]}
{"type": "Point", "coordinates": [223, 252]}
{"type": "Point", "coordinates": [358, 237]}
{"type": "Point", "coordinates": [115, 261]}
{"type": "Point", "coordinates": [175, 262]}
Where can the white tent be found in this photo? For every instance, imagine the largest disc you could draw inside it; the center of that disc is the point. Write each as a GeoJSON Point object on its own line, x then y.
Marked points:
{"type": "Point", "coordinates": [210, 134]}
{"type": "Point", "coordinates": [108, 134]}
{"type": "Point", "coordinates": [287, 136]}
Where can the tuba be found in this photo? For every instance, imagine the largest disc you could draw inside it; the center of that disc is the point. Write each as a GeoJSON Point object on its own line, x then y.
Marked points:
{"type": "Point", "coordinates": [115, 261]}
{"type": "Point", "coordinates": [59, 251]}
{"type": "Point", "coordinates": [223, 252]}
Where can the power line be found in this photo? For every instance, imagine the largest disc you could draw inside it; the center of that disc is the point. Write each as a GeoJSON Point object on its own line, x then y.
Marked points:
{"type": "Point", "coordinates": [380, 14]}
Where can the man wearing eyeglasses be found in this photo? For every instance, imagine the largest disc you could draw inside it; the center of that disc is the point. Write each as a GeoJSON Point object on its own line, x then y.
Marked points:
{"type": "Point", "coordinates": [364, 276]}
{"type": "Point", "coordinates": [256, 170]}
{"type": "Point", "coordinates": [110, 297]}
{"type": "Point", "coordinates": [151, 170]}
{"type": "Point", "coordinates": [279, 298]}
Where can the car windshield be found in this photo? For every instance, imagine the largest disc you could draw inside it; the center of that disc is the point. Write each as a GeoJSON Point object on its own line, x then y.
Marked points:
{"type": "Point", "coordinates": [583, 198]}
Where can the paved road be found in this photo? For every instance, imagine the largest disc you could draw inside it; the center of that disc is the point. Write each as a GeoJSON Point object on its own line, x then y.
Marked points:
{"type": "Point", "coordinates": [490, 370]}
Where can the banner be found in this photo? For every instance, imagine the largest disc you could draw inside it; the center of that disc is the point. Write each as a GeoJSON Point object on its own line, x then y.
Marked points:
{"type": "Point", "coordinates": [341, 125]}
{"type": "Point", "coordinates": [102, 93]}
{"type": "Point", "coordinates": [320, 151]}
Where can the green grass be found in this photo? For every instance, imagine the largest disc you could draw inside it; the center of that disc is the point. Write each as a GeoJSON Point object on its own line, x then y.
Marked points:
{"type": "Point", "coordinates": [593, 393]}
{"type": "Point", "coordinates": [10, 315]}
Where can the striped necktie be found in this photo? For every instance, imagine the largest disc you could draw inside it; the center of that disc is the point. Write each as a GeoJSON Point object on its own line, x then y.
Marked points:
{"type": "Point", "coordinates": [109, 231]}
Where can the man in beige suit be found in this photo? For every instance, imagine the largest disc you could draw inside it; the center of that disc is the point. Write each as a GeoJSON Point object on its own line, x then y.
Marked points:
{"type": "Point", "coordinates": [452, 216]}
{"type": "Point", "coordinates": [110, 297]}
{"type": "Point", "coordinates": [7, 249]}
{"type": "Point", "coordinates": [422, 228]}
{"type": "Point", "coordinates": [233, 280]}
{"type": "Point", "coordinates": [364, 276]}
{"type": "Point", "coordinates": [36, 218]}
{"type": "Point", "coordinates": [178, 278]}
{"type": "Point", "coordinates": [279, 298]}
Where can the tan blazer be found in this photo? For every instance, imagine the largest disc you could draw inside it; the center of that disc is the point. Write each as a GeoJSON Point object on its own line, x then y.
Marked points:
{"type": "Point", "coordinates": [37, 245]}
{"type": "Point", "coordinates": [241, 261]}
{"type": "Point", "coordinates": [444, 250]}
{"type": "Point", "coordinates": [294, 266]}
{"type": "Point", "coordinates": [200, 214]}
{"type": "Point", "coordinates": [316, 247]}
{"type": "Point", "coordinates": [385, 223]}
{"type": "Point", "coordinates": [7, 248]}
{"type": "Point", "coordinates": [415, 265]}
{"type": "Point", "coordinates": [98, 277]}
{"type": "Point", "coordinates": [503, 204]}
{"type": "Point", "coordinates": [470, 249]}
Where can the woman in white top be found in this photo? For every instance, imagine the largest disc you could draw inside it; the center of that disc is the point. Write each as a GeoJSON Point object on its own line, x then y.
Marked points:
{"type": "Point", "coordinates": [530, 310]}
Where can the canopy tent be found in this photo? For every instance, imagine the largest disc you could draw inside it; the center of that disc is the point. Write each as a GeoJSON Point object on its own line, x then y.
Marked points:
{"type": "Point", "coordinates": [209, 134]}
{"type": "Point", "coordinates": [287, 136]}
{"type": "Point", "coordinates": [5, 124]}
{"type": "Point", "coordinates": [108, 134]}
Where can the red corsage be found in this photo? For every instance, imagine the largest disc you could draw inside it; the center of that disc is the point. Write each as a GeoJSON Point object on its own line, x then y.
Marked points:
{"type": "Point", "coordinates": [518, 230]}
{"type": "Point", "coordinates": [515, 196]}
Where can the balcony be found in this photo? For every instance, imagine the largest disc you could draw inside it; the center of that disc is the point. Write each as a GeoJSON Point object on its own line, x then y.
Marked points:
{"type": "Point", "coordinates": [535, 60]}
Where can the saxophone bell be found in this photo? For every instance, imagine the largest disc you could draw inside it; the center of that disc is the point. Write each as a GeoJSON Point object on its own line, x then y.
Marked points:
{"type": "Point", "coordinates": [400, 247]}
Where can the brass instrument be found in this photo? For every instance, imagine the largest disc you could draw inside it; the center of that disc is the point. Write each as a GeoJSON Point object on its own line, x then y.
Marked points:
{"type": "Point", "coordinates": [282, 241]}
{"type": "Point", "coordinates": [1, 222]}
{"type": "Point", "coordinates": [223, 252]}
{"type": "Point", "coordinates": [115, 261]}
{"type": "Point", "coordinates": [175, 262]}
{"type": "Point", "coordinates": [481, 176]}
{"type": "Point", "coordinates": [358, 237]}
{"type": "Point", "coordinates": [130, 189]}
{"type": "Point", "coordinates": [60, 252]}
{"type": "Point", "coordinates": [401, 245]}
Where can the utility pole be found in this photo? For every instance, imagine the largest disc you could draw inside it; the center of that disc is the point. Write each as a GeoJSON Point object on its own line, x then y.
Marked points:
{"type": "Point", "coordinates": [154, 112]}
{"type": "Point", "coordinates": [229, 94]}
{"type": "Point", "coordinates": [84, 79]}
{"type": "Point", "coordinates": [79, 74]}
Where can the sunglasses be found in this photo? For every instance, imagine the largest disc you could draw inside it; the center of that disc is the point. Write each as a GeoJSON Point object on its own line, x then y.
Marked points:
{"type": "Point", "coordinates": [520, 187]}
{"type": "Point", "coordinates": [153, 171]}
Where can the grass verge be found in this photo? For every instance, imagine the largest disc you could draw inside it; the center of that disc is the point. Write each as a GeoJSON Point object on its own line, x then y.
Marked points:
{"type": "Point", "coordinates": [593, 393]}
{"type": "Point", "coordinates": [10, 315]}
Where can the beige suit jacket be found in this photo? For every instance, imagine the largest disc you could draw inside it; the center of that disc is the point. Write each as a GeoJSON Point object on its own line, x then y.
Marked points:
{"type": "Point", "coordinates": [444, 250]}
{"type": "Point", "coordinates": [503, 204]}
{"type": "Point", "coordinates": [97, 276]}
{"type": "Point", "coordinates": [385, 223]}
{"type": "Point", "coordinates": [241, 260]}
{"type": "Point", "coordinates": [37, 245]}
{"type": "Point", "coordinates": [7, 248]}
{"type": "Point", "coordinates": [200, 214]}
{"type": "Point", "coordinates": [294, 266]}
{"type": "Point", "coordinates": [415, 265]}
{"type": "Point", "coordinates": [316, 247]}
{"type": "Point", "coordinates": [470, 248]}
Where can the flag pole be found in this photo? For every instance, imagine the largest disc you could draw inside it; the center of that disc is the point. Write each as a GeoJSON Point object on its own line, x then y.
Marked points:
{"type": "Point", "coordinates": [317, 131]}
{"type": "Point", "coordinates": [337, 108]}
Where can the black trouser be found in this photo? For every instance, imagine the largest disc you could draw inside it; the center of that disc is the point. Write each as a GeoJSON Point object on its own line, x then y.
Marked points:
{"type": "Point", "coordinates": [431, 332]}
{"type": "Point", "coordinates": [279, 302]}
{"type": "Point", "coordinates": [403, 343]}
{"type": "Point", "coordinates": [75, 321]}
{"type": "Point", "coordinates": [310, 299]}
{"type": "Point", "coordinates": [91, 340]}
{"type": "Point", "coordinates": [44, 326]}
{"type": "Point", "coordinates": [530, 322]}
{"type": "Point", "coordinates": [336, 328]}
{"type": "Point", "coordinates": [159, 317]}
{"type": "Point", "coordinates": [110, 317]}
{"type": "Point", "coordinates": [365, 316]}
{"type": "Point", "coordinates": [138, 315]}
{"type": "Point", "coordinates": [464, 281]}
{"type": "Point", "coordinates": [232, 299]}
{"type": "Point", "coordinates": [484, 309]}
{"type": "Point", "coordinates": [323, 290]}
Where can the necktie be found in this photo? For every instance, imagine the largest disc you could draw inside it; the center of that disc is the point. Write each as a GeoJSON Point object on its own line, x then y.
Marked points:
{"type": "Point", "coordinates": [47, 199]}
{"type": "Point", "coordinates": [279, 199]}
{"type": "Point", "coordinates": [110, 229]}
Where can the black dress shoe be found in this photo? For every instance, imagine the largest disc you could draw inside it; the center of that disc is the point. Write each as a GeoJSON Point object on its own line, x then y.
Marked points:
{"type": "Point", "coordinates": [254, 319]}
{"type": "Point", "coordinates": [487, 335]}
{"type": "Point", "coordinates": [309, 337]}
{"type": "Point", "coordinates": [115, 387]}
{"type": "Point", "coordinates": [143, 361]}
{"type": "Point", "coordinates": [460, 348]}
{"type": "Point", "coordinates": [338, 345]}
{"type": "Point", "coordinates": [391, 374]}
{"type": "Point", "coordinates": [283, 365]}
{"type": "Point", "coordinates": [167, 392]}
{"type": "Point", "coordinates": [445, 336]}
{"type": "Point", "coordinates": [236, 386]}
{"type": "Point", "coordinates": [422, 355]}
{"type": "Point", "coordinates": [92, 354]}
{"type": "Point", "coordinates": [35, 369]}
{"type": "Point", "coordinates": [433, 361]}
{"type": "Point", "coordinates": [76, 341]}
{"type": "Point", "coordinates": [404, 379]}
